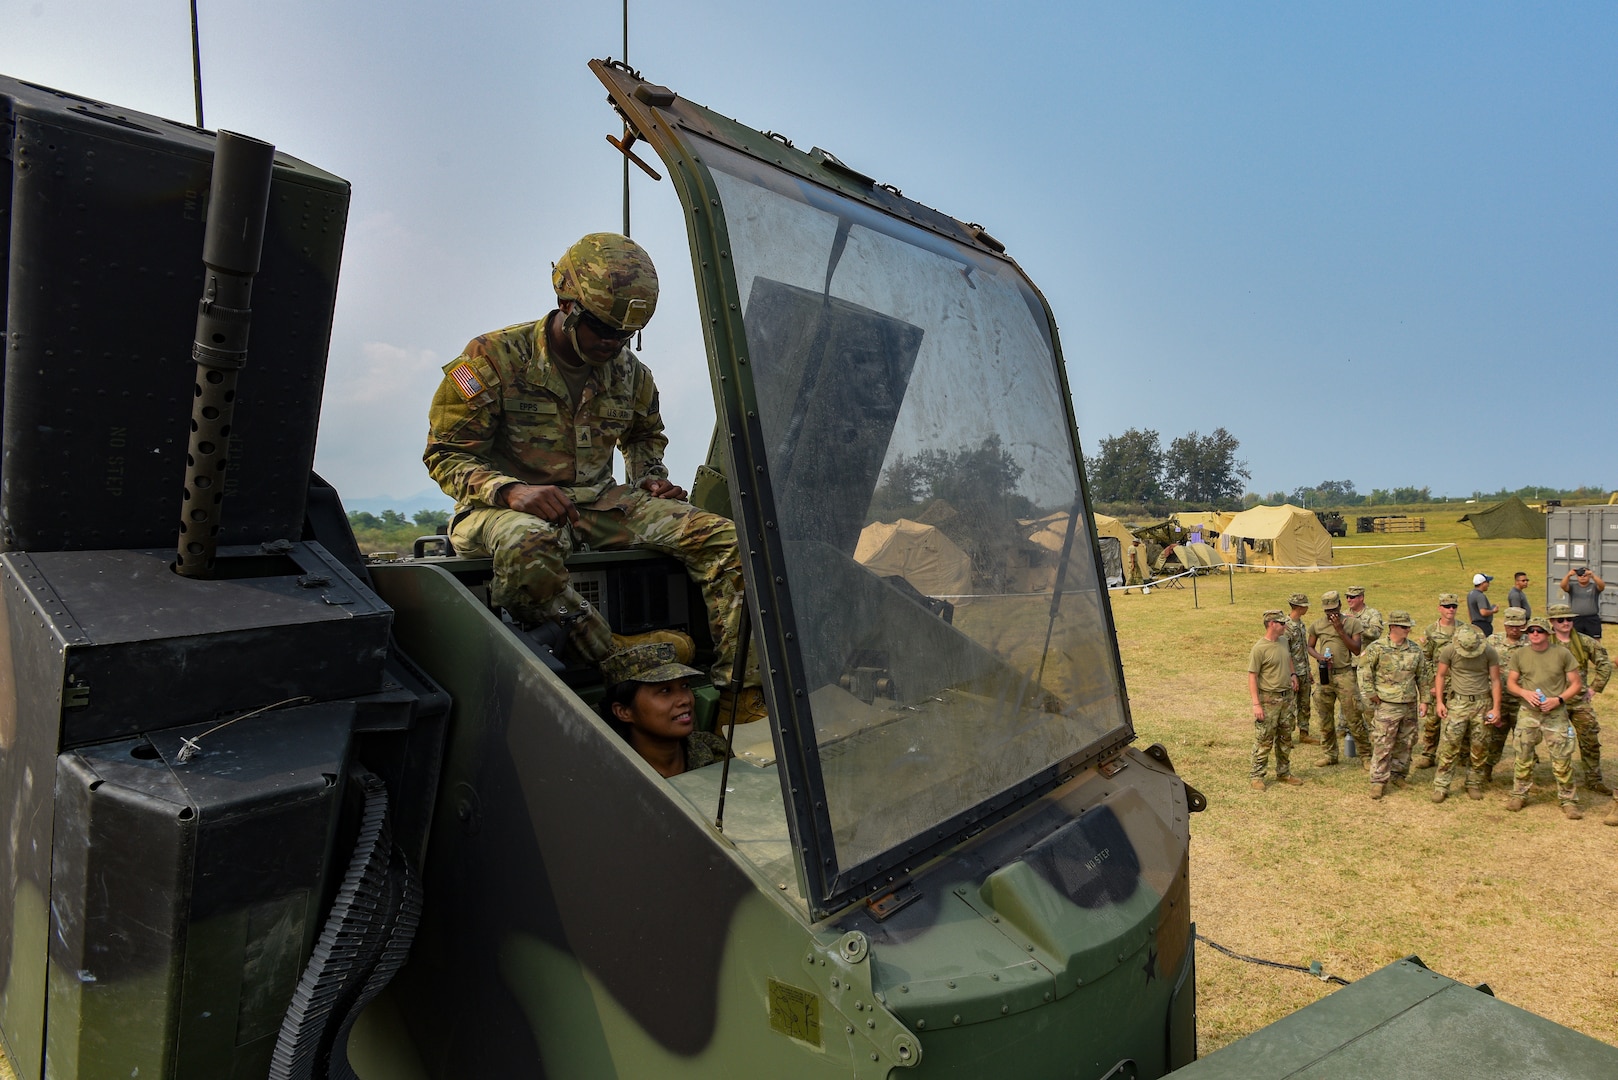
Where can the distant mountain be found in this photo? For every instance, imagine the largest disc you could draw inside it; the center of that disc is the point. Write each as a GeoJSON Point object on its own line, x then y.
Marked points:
{"type": "Point", "coordinates": [426, 499]}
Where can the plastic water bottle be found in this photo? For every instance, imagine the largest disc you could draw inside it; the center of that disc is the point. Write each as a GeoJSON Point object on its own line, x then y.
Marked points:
{"type": "Point", "coordinates": [1539, 696]}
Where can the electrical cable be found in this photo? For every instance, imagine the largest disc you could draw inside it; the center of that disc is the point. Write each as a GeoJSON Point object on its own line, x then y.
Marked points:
{"type": "Point", "coordinates": [1313, 969]}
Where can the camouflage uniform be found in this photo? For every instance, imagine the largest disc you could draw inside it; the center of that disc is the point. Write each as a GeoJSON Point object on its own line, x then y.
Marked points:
{"type": "Point", "coordinates": [1271, 661]}
{"type": "Point", "coordinates": [1370, 630]}
{"type": "Point", "coordinates": [1434, 638]}
{"type": "Point", "coordinates": [1595, 668]}
{"type": "Point", "coordinates": [1535, 727]}
{"type": "Point", "coordinates": [1503, 646]}
{"type": "Point", "coordinates": [1471, 669]}
{"type": "Point", "coordinates": [503, 415]}
{"type": "Point", "coordinates": [1297, 639]}
{"type": "Point", "coordinates": [1340, 688]}
{"type": "Point", "coordinates": [1398, 676]}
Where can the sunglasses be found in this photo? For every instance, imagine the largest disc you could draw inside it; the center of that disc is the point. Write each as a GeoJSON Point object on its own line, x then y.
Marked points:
{"type": "Point", "coordinates": [1537, 630]}
{"type": "Point", "coordinates": [1451, 607]}
{"type": "Point", "coordinates": [602, 330]}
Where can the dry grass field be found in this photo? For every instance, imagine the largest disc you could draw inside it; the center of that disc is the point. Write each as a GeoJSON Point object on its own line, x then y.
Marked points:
{"type": "Point", "coordinates": [1524, 902]}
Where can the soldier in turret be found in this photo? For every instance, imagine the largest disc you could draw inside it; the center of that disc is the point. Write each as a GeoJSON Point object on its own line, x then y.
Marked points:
{"type": "Point", "coordinates": [523, 430]}
{"type": "Point", "coordinates": [1395, 676]}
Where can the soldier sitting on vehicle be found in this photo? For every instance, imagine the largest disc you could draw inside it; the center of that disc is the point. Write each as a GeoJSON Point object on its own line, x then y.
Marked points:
{"type": "Point", "coordinates": [523, 429]}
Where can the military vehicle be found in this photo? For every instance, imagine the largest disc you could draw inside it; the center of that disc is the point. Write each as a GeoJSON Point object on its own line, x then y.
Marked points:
{"type": "Point", "coordinates": [275, 811]}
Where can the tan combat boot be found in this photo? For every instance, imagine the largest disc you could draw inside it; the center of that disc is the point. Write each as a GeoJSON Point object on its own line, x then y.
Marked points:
{"type": "Point", "coordinates": [1515, 803]}
{"type": "Point", "coordinates": [1376, 790]}
{"type": "Point", "coordinates": [1572, 812]}
{"type": "Point", "coordinates": [1612, 813]}
{"type": "Point", "coordinates": [748, 703]}
{"type": "Point", "coordinates": [685, 650]}
{"type": "Point", "coordinates": [1439, 794]}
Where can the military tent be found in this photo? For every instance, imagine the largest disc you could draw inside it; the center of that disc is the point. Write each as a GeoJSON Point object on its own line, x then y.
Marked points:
{"type": "Point", "coordinates": [1051, 530]}
{"type": "Point", "coordinates": [1285, 537]}
{"type": "Point", "coordinates": [920, 554]}
{"type": "Point", "coordinates": [1509, 520]}
{"type": "Point", "coordinates": [1212, 522]}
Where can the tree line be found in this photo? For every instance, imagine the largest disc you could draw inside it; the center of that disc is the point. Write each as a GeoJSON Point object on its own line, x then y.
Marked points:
{"type": "Point", "coordinates": [1201, 469]}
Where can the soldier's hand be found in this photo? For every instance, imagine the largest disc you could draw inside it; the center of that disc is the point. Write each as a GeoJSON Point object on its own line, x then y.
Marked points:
{"type": "Point", "coordinates": [544, 501]}
{"type": "Point", "coordinates": [663, 489]}
{"type": "Point", "coordinates": [1421, 710]}
{"type": "Point", "coordinates": [1443, 711]}
{"type": "Point", "coordinates": [1258, 712]}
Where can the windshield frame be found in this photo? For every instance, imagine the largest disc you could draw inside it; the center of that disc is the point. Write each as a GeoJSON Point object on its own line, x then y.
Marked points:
{"type": "Point", "coordinates": [668, 123]}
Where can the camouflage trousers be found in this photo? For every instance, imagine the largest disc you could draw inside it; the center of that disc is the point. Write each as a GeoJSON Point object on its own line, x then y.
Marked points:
{"type": "Point", "coordinates": [1553, 729]}
{"type": "Point", "coordinates": [1300, 705]}
{"type": "Point", "coordinates": [1342, 688]}
{"type": "Point", "coordinates": [1273, 732]}
{"type": "Point", "coordinates": [1588, 731]}
{"type": "Point", "coordinates": [530, 578]}
{"type": "Point", "coordinates": [1392, 729]}
{"type": "Point", "coordinates": [1500, 737]}
{"type": "Point", "coordinates": [1430, 728]}
{"type": "Point", "coordinates": [1464, 732]}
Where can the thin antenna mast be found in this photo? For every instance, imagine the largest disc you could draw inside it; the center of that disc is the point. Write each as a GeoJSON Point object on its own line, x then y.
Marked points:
{"type": "Point", "coordinates": [626, 122]}
{"type": "Point", "coordinates": [196, 80]}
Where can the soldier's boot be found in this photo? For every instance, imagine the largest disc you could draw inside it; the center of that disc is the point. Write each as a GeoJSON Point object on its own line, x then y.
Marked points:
{"type": "Point", "coordinates": [1256, 784]}
{"type": "Point", "coordinates": [1594, 782]}
{"type": "Point", "coordinates": [1376, 790]}
{"type": "Point", "coordinates": [747, 702]}
{"type": "Point", "coordinates": [1425, 761]}
{"type": "Point", "coordinates": [1474, 791]}
{"type": "Point", "coordinates": [1365, 763]}
{"type": "Point", "coordinates": [1398, 781]}
{"type": "Point", "coordinates": [1439, 794]}
{"type": "Point", "coordinates": [1612, 814]}
{"type": "Point", "coordinates": [1291, 780]}
{"type": "Point", "coordinates": [587, 632]}
{"type": "Point", "coordinates": [1515, 803]}
{"type": "Point", "coordinates": [685, 650]}
{"type": "Point", "coordinates": [1572, 812]}
{"type": "Point", "coordinates": [1488, 773]}
{"type": "Point", "coordinates": [1305, 737]}
{"type": "Point", "coordinates": [1330, 759]}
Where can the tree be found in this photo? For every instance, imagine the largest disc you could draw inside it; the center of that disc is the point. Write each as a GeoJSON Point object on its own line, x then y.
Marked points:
{"type": "Point", "coordinates": [391, 518]}
{"type": "Point", "coordinates": [1328, 493]}
{"type": "Point", "coordinates": [1129, 468]}
{"type": "Point", "coordinates": [1204, 469]}
{"type": "Point", "coordinates": [437, 520]}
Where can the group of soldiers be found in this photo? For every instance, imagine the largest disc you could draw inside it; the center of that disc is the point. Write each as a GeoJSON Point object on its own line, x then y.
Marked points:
{"type": "Point", "coordinates": [1452, 700]}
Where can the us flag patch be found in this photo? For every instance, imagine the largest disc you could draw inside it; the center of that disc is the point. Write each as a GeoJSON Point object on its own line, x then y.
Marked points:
{"type": "Point", "coordinates": [467, 379]}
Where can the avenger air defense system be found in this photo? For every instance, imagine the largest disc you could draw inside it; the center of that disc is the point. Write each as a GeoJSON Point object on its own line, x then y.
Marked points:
{"type": "Point", "coordinates": [276, 811]}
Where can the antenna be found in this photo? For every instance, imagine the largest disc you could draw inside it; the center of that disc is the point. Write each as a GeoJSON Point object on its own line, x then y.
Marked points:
{"type": "Point", "coordinates": [626, 122]}
{"type": "Point", "coordinates": [196, 85]}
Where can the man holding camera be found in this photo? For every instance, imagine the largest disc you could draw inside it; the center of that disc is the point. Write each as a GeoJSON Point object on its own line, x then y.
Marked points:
{"type": "Point", "coordinates": [1584, 588]}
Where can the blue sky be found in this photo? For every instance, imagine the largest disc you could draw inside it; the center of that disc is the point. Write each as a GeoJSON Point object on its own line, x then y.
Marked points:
{"type": "Point", "coordinates": [1376, 242]}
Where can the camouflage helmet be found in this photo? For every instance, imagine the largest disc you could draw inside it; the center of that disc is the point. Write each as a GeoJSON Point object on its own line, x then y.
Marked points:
{"type": "Point", "coordinates": [1400, 618]}
{"type": "Point", "coordinates": [1516, 616]}
{"type": "Point", "coordinates": [611, 277]}
{"type": "Point", "coordinates": [1468, 642]}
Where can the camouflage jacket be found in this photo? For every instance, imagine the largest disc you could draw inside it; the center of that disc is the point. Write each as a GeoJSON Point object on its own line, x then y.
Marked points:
{"type": "Point", "coordinates": [503, 415]}
{"type": "Point", "coordinates": [1595, 667]}
{"type": "Point", "coordinates": [704, 748]}
{"type": "Point", "coordinates": [1503, 648]}
{"type": "Point", "coordinates": [1297, 639]}
{"type": "Point", "coordinates": [1370, 628]}
{"type": "Point", "coordinates": [1396, 673]}
{"type": "Point", "coordinates": [1436, 636]}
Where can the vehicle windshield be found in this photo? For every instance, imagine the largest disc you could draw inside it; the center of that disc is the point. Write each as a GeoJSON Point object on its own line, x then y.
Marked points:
{"type": "Point", "coordinates": [928, 502]}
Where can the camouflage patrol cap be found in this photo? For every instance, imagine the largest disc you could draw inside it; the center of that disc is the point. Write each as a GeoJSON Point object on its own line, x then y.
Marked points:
{"type": "Point", "coordinates": [1353, 591]}
{"type": "Point", "coordinates": [1468, 642]}
{"type": "Point", "coordinates": [1329, 599]}
{"type": "Point", "coordinates": [1515, 616]}
{"type": "Point", "coordinates": [1297, 599]}
{"type": "Point", "coordinates": [1400, 618]}
{"type": "Point", "coordinates": [1274, 616]}
{"type": "Point", "coordinates": [1539, 624]}
{"type": "Point", "coordinates": [652, 663]}
{"type": "Point", "coordinates": [1448, 599]}
{"type": "Point", "coordinates": [611, 277]}
{"type": "Point", "coordinates": [1559, 611]}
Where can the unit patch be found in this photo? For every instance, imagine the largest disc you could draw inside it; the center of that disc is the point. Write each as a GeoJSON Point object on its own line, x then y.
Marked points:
{"type": "Point", "coordinates": [467, 380]}
{"type": "Point", "coordinates": [795, 1013]}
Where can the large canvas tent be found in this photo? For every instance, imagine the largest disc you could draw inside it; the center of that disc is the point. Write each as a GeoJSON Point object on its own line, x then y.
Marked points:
{"type": "Point", "coordinates": [1283, 537]}
{"type": "Point", "coordinates": [1050, 531]}
{"type": "Point", "coordinates": [1509, 520]}
{"type": "Point", "coordinates": [1212, 521]}
{"type": "Point", "coordinates": [921, 554]}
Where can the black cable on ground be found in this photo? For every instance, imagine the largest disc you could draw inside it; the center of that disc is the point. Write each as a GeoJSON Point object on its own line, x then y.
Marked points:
{"type": "Point", "coordinates": [1313, 969]}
